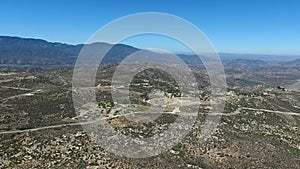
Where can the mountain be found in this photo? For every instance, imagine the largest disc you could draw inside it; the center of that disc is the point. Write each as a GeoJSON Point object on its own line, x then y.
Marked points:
{"type": "Point", "coordinates": [245, 63]}
{"type": "Point", "coordinates": [294, 63]}
{"type": "Point", "coordinates": [28, 51]}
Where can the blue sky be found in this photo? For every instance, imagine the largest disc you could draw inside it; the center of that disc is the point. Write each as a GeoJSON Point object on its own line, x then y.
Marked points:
{"type": "Point", "coordinates": [248, 26]}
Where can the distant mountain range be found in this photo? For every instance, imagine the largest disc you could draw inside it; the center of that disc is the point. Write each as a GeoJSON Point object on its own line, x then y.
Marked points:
{"type": "Point", "coordinates": [28, 51]}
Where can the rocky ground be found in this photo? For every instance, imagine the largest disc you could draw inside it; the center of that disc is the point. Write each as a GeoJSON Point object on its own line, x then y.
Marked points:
{"type": "Point", "coordinates": [40, 129]}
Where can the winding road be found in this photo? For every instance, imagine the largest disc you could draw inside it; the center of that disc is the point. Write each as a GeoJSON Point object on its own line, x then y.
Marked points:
{"type": "Point", "coordinates": [106, 118]}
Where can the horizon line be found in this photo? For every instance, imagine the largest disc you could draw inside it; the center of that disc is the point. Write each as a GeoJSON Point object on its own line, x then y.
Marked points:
{"type": "Point", "coordinates": [175, 52]}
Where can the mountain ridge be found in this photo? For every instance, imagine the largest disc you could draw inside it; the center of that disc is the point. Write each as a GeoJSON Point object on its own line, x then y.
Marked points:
{"type": "Point", "coordinates": [31, 51]}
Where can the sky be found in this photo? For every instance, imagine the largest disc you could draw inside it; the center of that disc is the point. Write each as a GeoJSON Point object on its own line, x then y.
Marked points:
{"type": "Point", "coordinates": [234, 26]}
